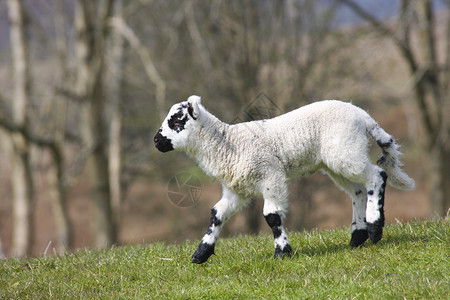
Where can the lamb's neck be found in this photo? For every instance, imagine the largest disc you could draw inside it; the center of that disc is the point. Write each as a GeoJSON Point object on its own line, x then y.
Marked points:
{"type": "Point", "coordinates": [213, 146]}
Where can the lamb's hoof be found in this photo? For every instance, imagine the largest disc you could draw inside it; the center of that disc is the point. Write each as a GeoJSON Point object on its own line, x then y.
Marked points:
{"type": "Point", "coordinates": [359, 236]}
{"type": "Point", "coordinates": [282, 253]}
{"type": "Point", "coordinates": [375, 231]}
{"type": "Point", "coordinates": [203, 252]}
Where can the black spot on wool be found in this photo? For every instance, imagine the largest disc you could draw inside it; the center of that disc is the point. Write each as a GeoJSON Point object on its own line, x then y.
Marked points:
{"type": "Point", "coordinates": [178, 121]}
{"type": "Point", "coordinates": [385, 144]}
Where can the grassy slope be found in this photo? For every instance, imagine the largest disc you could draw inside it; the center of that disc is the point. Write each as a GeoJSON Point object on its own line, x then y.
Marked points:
{"type": "Point", "coordinates": [411, 261]}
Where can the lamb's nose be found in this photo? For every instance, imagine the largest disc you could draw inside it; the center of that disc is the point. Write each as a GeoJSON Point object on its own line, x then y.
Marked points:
{"type": "Point", "coordinates": [158, 137]}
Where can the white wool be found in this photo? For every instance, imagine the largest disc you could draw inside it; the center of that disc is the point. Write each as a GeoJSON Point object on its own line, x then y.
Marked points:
{"type": "Point", "coordinates": [327, 134]}
{"type": "Point", "coordinates": [247, 157]}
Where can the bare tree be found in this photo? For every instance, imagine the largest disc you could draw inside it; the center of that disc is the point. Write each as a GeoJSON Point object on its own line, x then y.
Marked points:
{"type": "Point", "coordinates": [2, 254]}
{"type": "Point", "coordinates": [119, 24]}
{"type": "Point", "coordinates": [21, 175]}
{"type": "Point", "coordinates": [58, 181]}
{"type": "Point", "coordinates": [431, 85]}
{"type": "Point", "coordinates": [114, 115]}
{"type": "Point", "coordinates": [91, 22]}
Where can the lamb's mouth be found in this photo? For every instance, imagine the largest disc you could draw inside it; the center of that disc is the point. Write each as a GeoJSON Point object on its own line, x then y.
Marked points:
{"type": "Point", "coordinates": [162, 143]}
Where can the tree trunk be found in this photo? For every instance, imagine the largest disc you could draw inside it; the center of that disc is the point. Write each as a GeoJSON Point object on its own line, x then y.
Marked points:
{"type": "Point", "coordinates": [115, 166]}
{"type": "Point", "coordinates": [445, 171]}
{"type": "Point", "coordinates": [105, 229]}
{"type": "Point", "coordinates": [22, 196]}
{"type": "Point", "coordinates": [113, 92]}
{"type": "Point", "coordinates": [64, 236]}
{"type": "Point", "coordinates": [2, 254]}
{"type": "Point", "coordinates": [21, 173]}
{"type": "Point", "coordinates": [438, 181]}
{"type": "Point", "coordinates": [91, 23]}
{"type": "Point", "coordinates": [432, 103]}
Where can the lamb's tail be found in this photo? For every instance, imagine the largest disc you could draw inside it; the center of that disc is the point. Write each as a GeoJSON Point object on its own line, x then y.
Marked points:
{"type": "Point", "coordinates": [390, 160]}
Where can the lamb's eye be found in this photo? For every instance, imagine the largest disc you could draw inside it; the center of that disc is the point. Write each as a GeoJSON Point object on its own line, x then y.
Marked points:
{"type": "Point", "coordinates": [177, 122]}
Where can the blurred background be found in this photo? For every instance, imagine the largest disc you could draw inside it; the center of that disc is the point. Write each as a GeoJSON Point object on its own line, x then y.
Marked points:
{"type": "Point", "coordinates": [85, 85]}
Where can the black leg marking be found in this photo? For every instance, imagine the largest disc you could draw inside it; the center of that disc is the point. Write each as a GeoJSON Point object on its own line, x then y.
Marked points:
{"type": "Point", "coordinates": [274, 221]}
{"type": "Point", "coordinates": [286, 251]}
{"type": "Point", "coordinates": [359, 236]}
{"type": "Point", "coordinates": [282, 246]}
{"type": "Point", "coordinates": [213, 222]}
{"type": "Point", "coordinates": [203, 252]}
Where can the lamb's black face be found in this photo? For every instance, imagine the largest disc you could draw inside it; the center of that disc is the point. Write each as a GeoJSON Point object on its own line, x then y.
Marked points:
{"type": "Point", "coordinates": [173, 133]}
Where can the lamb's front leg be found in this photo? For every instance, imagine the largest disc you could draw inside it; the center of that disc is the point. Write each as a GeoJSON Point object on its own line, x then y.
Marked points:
{"type": "Point", "coordinates": [275, 203]}
{"type": "Point", "coordinates": [225, 208]}
{"type": "Point", "coordinates": [282, 246]}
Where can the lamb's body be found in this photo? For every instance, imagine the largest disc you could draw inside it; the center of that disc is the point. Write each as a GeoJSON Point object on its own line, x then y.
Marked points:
{"type": "Point", "coordinates": [259, 157]}
{"type": "Point", "coordinates": [327, 134]}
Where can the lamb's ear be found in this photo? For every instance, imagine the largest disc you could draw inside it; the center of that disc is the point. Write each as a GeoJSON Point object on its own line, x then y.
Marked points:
{"type": "Point", "coordinates": [193, 106]}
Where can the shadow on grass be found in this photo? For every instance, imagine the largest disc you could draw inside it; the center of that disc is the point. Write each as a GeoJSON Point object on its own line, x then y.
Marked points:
{"type": "Point", "coordinates": [320, 250]}
{"type": "Point", "coordinates": [403, 238]}
{"type": "Point", "coordinates": [330, 248]}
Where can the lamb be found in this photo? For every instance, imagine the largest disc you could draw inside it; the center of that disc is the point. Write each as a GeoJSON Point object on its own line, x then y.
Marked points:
{"type": "Point", "coordinates": [259, 157]}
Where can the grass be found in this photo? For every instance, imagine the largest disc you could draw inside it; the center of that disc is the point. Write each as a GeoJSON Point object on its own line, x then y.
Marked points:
{"type": "Point", "coordinates": [411, 261]}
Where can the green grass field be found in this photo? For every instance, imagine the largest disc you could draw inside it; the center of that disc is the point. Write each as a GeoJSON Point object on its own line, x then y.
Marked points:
{"type": "Point", "coordinates": [411, 262]}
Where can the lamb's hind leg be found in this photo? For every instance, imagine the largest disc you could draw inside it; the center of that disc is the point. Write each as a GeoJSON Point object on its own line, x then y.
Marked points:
{"type": "Point", "coordinates": [225, 208]}
{"type": "Point", "coordinates": [358, 194]}
{"type": "Point", "coordinates": [359, 224]}
{"type": "Point", "coordinates": [275, 202]}
{"type": "Point", "coordinates": [375, 203]}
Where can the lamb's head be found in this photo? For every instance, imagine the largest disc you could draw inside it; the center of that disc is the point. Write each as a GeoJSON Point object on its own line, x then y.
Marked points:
{"type": "Point", "coordinates": [179, 123]}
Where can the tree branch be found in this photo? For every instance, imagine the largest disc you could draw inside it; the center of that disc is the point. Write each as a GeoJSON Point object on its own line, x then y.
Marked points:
{"type": "Point", "coordinates": [381, 28]}
{"type": "Point", "coordinates": [147, 60]}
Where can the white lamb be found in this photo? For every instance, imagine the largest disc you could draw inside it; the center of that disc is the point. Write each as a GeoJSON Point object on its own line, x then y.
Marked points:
{"type": "Point", "coordinates": [258, 158]}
